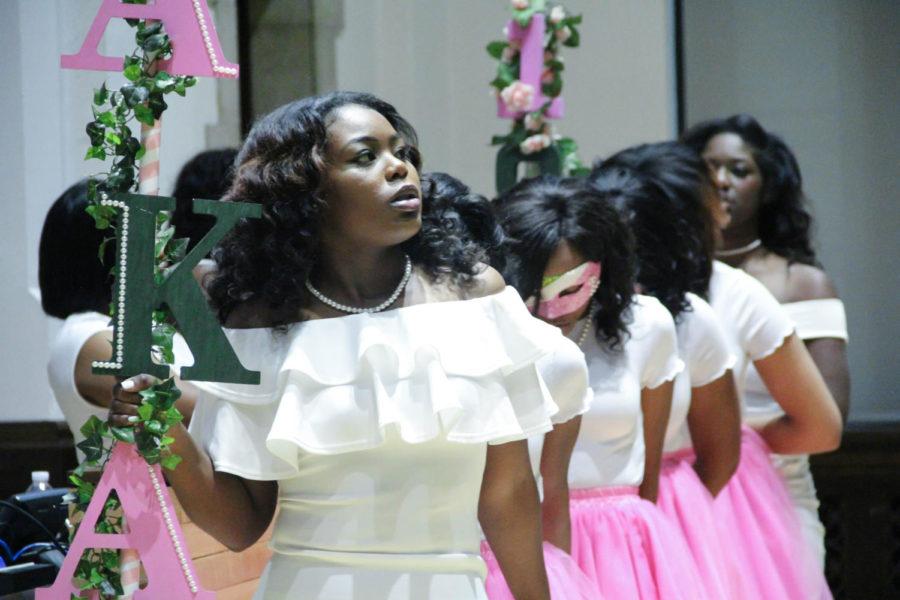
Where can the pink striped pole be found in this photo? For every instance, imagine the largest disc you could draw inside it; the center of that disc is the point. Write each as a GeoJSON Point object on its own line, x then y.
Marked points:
{"type": "Point", "coordinates": [148, 184]}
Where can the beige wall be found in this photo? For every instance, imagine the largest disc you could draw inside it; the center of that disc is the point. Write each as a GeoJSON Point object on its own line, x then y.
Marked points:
{"type": "Point", "coordinates": [428, 59]}
{"type": "Point", "coordinates": [823, 74]}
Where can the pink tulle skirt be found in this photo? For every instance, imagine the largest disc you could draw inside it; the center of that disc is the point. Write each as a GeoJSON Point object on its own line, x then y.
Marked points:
{"type": "Point", "coordinates": [689, 505]}
{"type": "Point", "coordinates": [758, 523]}
{"type": "Point", "coordinates": [629, 549]}
{"type": "Point", "coordinates": [567, 582]}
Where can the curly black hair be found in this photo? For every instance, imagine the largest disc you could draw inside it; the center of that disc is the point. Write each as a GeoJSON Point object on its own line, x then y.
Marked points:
{"type": "Point", "coordinates": [71, 276]}
{"type": "Point", "coordinates": [281, 166]}
{"type": "Point", "coordinates": [207, 176]}
{"type": "Point", "coordinates": [452, 209]}
{"type": "Point", "coordinates": [660, 191]}
{"type": "Point", "coordinates": [538, 214]}
{"type": "Point", "coordinates": [784, 221]}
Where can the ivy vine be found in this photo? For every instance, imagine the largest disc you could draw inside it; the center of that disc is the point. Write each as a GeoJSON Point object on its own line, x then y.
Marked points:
{"type": "Point", "coordinates": [115, 111]}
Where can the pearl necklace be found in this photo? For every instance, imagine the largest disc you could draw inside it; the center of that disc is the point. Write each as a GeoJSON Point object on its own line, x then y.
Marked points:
{"type": "Point", "coordinates": [407, 271]}
{"type": "Point", "coordinates": [743, 249]}
{"type": "Point", "coordinates": [586, 328]}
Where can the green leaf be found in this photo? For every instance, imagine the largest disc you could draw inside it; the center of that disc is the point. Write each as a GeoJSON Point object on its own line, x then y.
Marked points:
{"type": "Point", "coordinates": [155, 427]}
{"type": "Point", "coordinates": [498, 140]}
{"type": "Point", "coordinates": [90, 426]}
{"type": "Point", "coordinates": [164, 81]}
{"type": "Point", "coordinates": [553, 88]}
{"type": "Point", "coordinates": [132, 73]}
{"type": "Point", "coordinates": [170, 462]}
{"type": "Point", "coordinates": [95, 152]}
{"type": "Point", "coordinates": [140, 153]}
{"type": "Point", "coordinates": [134, 94]}
{"type": "Point", "coordinates": [95, 133]}
{"type": "Point", "coordinates": [113, 138]}
{"type": "Point", "coordinates": [572, 20]}
{"type": "Point", "coordinates": [101, 95]}
{"type": "Point", "coordinates": [157, 104]}
{"type": "Point", "coordinates": [107, 118]}
{"type": "Point", "coordinates": [495, 48]}
{"type": "Point", "coordinates": [173, 416]}
{"type": "Point", "coordinates": [162, 238]}
{"type": "Point", "coordinates": [190, 81]}
{"type": "Point", "coordinates": [145, 411]}
{"type": "Point", "coordinates": [574, 39]}
{"type": "Point", "coordinates": [177, 249]}
{"type": "Point", "coordinates": [144, 114]}
{"type": "Point", "coordinates": [123, 434]}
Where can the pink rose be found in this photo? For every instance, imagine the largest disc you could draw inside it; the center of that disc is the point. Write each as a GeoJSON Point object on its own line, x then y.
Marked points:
{"type": "Point", "coordinates": [520, 4]}
{"type": "Point", "coordinates": [557, 14]}
{"type": "Point", "coordinates": [534, 143]}
{"type": "Point", "coordinates": [563, 33]}
{"type": "Point", "coordinates": [517, 96]}
{"type": "Point", "coordinates": [534, 121]}
{"type": "Point", "coordinates": [547, 76]}
{"type": "Point", "coordinates": [548, 56]}
{"type": "Point", "coordinates": [508, 54]}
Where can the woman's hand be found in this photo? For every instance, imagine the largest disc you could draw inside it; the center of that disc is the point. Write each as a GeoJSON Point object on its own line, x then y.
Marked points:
{"type": "Point", "coordinates": [123, 410]}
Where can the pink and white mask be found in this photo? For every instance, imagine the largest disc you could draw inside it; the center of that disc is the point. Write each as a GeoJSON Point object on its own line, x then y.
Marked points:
{"type": "Point", "coordinates": [553, 305]}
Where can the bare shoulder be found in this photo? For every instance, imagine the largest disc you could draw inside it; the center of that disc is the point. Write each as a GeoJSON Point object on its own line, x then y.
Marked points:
{"type": "Point", "coordinates": [806, 282]}
{"type": "Point", "coordinates": [488, 282]}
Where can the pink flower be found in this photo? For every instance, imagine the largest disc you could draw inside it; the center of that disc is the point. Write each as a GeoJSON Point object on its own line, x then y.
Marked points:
{"type": "Point", "coordinates": [509, 53]}
{"type": "Point", "coordinates": [563, 33]}
{"type": "Point", "coordinates": [557, 14]}
{"type": "Point", "coordinates": [517, 96]}
{"type": "Point", "coordinates": [547, 76]}
{"type": "Point", "coordinates": [534, 143]}
{"type": "Point", "coordinates": [519, 4]}
{"type": "Point", "coordinates": [534, 121]}
{"type": "Point", "coordinates": [548, 56]}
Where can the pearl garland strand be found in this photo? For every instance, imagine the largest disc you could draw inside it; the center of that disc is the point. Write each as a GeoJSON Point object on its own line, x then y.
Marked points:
{"type": "Point", "coordinates": [173, 535]}
{"type": "Point", "coordinates": [742, 250]}
{"type": "Point", "coordinates": [407, 271]}
{"type": "Point", "coordinates": [207, 41]}
{"type": "Point", "coordinates": [586, 328]}
{"type": "Point", "coordinates": [119, 341]}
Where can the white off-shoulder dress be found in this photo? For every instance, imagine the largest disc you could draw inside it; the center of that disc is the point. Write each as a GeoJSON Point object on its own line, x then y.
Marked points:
{"type": "Point", "coordinates": [375, 427]}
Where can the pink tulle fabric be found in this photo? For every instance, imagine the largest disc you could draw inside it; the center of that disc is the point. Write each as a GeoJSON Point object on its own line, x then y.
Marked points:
{"type": "Point", "coordinates": [629, 549]}
{"type": "Point", "coordinates": [567, 582]}
{"type": "Point", "coordinates": [688, 504]}
{"type": "Point", "coordinates": [757, 522]}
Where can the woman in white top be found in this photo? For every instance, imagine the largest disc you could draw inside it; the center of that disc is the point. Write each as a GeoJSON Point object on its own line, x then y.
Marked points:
{"type": "Point", "coordinates": [398, 380]}
{"type": "Point", "coordinates": [702, 444]}
{"type": "Point", "coordinates": [571, 254]}
{"type": "Point", "coordinates": [77, 287]}
{"type": "Point", "coordinates": [754, 510]}
{"type": "Point", "coordinates": [768, 236]}
{"type": "Point", "coordinates": [454, 210]}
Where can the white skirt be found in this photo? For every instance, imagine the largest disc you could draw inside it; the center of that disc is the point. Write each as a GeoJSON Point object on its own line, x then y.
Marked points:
{"type": "Point", "coordinates": [287, 577]}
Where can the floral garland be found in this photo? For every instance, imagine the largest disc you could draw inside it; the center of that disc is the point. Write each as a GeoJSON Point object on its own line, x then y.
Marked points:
{"type": "Point", "coordinates": [532, 132]}
{"type": "Point", "coordinates": [141, 99]}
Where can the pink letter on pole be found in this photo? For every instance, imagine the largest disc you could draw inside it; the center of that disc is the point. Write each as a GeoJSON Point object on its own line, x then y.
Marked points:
{"type": "Point", "coordinates": [531, 65]}
{"type": "Point", "coordinates": [153, 531]}
{"type": "Point", "coordinates": [195, 45]}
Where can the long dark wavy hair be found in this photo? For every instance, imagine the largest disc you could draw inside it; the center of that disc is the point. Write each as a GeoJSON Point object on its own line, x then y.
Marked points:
{"type": "Point", "coordinates": [538, 214]}
{"type": "Point", "coordinates": [661, 189]}
{"type": "Point", "coordinates": [281, 166]}
{"type": "Point", "coordinates": [784, 221]}
{"type": "Point", "coordinates": [71, 276]}
{"type": "Point", "coordinates": [452, 209]}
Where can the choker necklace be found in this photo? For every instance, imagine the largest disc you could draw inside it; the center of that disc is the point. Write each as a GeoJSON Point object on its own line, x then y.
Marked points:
{"type": "Point", "coordinates": [407, 271]}
{"type": "Point", "coordinates": [742, 250]}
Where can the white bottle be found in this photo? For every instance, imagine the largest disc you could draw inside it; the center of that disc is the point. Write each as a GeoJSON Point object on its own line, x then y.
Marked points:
{"type": "Point", "coordinates": [40, 481]}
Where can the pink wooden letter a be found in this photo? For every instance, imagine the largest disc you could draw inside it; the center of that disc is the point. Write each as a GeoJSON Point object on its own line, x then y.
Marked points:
{"type": "Point", "coordinates": [153, 531]}
{"type": "Point", "coordinates": [195, 45]}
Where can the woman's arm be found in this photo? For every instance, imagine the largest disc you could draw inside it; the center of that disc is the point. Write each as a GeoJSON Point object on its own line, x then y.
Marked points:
{"type": "Point", "coordinates": [656, 404]}
{"type": "Point", "coordinates": [830, 357]}
{"type": "Point", "coordinates": [714, 420]}
{"type": "Point", "coordinates": [233, 510]}
{"type": "Point", "coordinates": [510, 517]}
{"type": "Point", "coordinates": [812, 421]}
{"type": "Point", "coordinates": [555, 456]}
